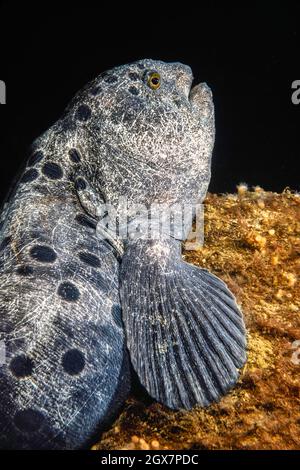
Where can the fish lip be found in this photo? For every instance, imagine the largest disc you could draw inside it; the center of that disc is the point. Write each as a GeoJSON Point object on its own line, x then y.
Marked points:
{"type": "Point", "coordinates": [199, 94]}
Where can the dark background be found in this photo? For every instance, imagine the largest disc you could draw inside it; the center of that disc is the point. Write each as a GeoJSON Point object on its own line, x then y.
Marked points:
{"type": "Point", "coordinates": [248, 55]}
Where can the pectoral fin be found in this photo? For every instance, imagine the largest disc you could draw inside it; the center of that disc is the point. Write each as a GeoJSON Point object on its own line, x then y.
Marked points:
{"type": "Point", "coordinates": [185, 332]}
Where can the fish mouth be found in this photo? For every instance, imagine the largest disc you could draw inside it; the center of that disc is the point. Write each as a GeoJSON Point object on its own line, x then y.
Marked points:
{"type": "Point", "coordinates": [193, 90]}
{"type": "Point", "coordinates": [191, 93]}
{"type": "Point", "coordinates": [188, 86]}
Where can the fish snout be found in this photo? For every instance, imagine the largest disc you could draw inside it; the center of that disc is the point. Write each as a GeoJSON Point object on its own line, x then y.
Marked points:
{"type": "Point", "coordinates": [184, 78]}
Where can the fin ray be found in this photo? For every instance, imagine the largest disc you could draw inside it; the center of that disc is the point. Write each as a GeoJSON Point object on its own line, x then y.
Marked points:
{"type": "Point", "coordinates": [185, 332]}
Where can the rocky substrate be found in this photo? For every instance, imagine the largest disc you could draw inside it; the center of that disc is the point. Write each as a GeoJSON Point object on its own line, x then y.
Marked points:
{"type": "Point", "coordinates": [252, 241]}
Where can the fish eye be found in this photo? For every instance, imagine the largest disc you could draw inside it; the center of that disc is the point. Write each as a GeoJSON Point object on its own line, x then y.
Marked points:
{"type": "Point", "coordinates": [154, 80]}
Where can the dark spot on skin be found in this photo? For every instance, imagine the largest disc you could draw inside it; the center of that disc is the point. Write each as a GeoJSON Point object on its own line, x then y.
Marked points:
{"type": "Point", "coordinates": [68, 291]}
{"type": "Point", "coordinates": [41, 189]}
{"type": "Point", "coordinates": [21, 366]}
{"type": "Point", "coordinates": [83, 113]}
{"type": "Point", "coordinates": [89, 259]}
{"type": "Point", "coordinates": [74, 155]}
{"type": "Point", "coordinates": [43, 253]}
{"type": "Point", "coordinates": [129, 116]}
{"type": "Point", "coordinates": [116, 314]}
{"type": "Point", "coordinates": [29, 175]}
{"type": "Point", "coordinates": [5, 242]}
{"type": "Point", "coordinates": [73, 361]}
{"type": "Point", "coordinates": [141, 66]}
{"type": "Point", "coordinates": [133, 76]}
{"type": "Point", "coordinates": [133, 90]}
{"type": "Point", "coordinates": [28, 420]}
{"type": "Point", "coordinates": [110, 79]}
{"type": "Point", "coordinates": [35, 158]}
{"type": "Point", "coordinates": [116, 310]}
{"type": "Point", "coordinates": [52, 170]}
{"type": "Point", "coordinates": [84, 220]}
{"type": "Point", "coordinates": [96, 91]}
{"type": "Point", "coordinates": [80, 184]}
{"type": "Point", "coordinates": [24, 270]}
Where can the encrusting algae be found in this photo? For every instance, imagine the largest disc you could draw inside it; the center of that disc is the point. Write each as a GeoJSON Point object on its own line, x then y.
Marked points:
{"type": "Point", "coordinates": [252, 241]}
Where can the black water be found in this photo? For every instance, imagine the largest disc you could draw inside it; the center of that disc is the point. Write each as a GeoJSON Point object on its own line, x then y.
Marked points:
{"type": "Point", "coordinates": [248, 55]}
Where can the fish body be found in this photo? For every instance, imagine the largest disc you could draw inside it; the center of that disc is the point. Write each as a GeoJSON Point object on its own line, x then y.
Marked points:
{"type": "Point", "coordinates": [66, 371]}
{"type": "Point", "coordinates": [69, 296]}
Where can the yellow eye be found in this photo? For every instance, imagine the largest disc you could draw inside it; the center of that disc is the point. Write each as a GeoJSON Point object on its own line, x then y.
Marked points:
{"type": "Point", "coordinates": [154, 80]}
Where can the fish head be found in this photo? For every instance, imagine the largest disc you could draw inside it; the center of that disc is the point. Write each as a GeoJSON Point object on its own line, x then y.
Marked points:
{"type": "Point", "coordinates": [153, 131]}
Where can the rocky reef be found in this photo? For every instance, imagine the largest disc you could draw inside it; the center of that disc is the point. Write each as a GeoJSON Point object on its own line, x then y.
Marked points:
{"type": "Point", "coordinates": [252, 241]}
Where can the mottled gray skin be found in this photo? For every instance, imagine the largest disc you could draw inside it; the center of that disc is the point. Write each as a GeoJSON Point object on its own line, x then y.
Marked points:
{"type": "Point", "coordinates": [67, 369]}
{"type": "Point", "coordinates": [184, 330]}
